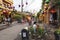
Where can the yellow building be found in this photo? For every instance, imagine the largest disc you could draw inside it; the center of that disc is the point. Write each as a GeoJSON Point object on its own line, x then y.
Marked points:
{"type": "Point", "coordinates": [5, 6]}
{"type": "Point", "coordinates": [1, 6]}
{"type": "Point", "coordinates": [8, 4]}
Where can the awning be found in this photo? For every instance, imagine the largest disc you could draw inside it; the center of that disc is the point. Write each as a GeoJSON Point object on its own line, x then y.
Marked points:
{"type": "Point", "coordinates": [8, 1]}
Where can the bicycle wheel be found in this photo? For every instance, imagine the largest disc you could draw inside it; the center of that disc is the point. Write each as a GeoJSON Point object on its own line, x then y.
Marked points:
{"type": "Point", "coordinates": [49, 36]}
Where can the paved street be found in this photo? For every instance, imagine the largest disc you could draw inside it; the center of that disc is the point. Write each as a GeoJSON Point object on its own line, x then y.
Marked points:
{"type": "Point", "coordinates": [4, 26]}
{"type": "Point", "coordinates": [11, 32]}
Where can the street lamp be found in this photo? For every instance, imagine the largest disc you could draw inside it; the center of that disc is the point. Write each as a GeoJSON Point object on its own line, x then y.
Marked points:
{"type": "Point", "coordinates": [21, 5]}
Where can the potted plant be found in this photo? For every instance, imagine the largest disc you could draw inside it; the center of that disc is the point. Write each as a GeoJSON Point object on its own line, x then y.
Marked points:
{"type": "Point", "coordinates": [57, 34]}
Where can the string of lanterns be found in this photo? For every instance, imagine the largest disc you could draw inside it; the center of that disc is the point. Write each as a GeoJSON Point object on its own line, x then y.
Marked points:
{"type": "Point", "coordinates": [23, 4]}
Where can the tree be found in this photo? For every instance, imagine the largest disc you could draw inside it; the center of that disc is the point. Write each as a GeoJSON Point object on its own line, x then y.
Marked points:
{"type": "Point", "coordinates": [38, 13]}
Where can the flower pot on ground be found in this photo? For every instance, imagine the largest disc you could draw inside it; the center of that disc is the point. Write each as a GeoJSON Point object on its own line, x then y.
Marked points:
{"type": "Point", "coordinates": [57, 34]}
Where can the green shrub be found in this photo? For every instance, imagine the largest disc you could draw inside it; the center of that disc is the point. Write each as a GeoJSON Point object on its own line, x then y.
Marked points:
{"type": "Point", "coordinates": [57, 31]}
{"type": "Point", "coordinates": [17, 16]}
{"type": "Point", "coordinates": [1, 17]}
{"type": "Point", "coordinates": [31, 30]}
{"type": "Point", "coordinates": [40, 31]}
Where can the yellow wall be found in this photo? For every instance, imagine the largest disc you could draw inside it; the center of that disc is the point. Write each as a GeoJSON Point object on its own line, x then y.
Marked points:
{"type": "Point", "coordinates": [1, 6]}
{"type": "Point", "coordinates": [9, 3]}
{"type": "Point", "coordinates": [0, 1]}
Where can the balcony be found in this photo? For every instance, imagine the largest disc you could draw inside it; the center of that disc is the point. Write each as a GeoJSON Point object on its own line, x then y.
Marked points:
{"type": "Point", "coordinates": [8, 1]}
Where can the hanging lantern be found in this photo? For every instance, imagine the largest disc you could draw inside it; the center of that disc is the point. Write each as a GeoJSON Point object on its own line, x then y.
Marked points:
{"type": "Point", "coordinates": [52, 10]}
{"type": "Point", "coordinates": [5, 12]}
{"type": "Point", "coordinates": [22, 5]}
{"type": "Point", "coordinates": [45, 7]}
{"type": "Point", "coordinates": [13, 7]}
{"type": "Point", "coordinates": [26, 3]}
{"type": "Point", "coordinates": [19, 5]}
{"type": "Point", "coordinates": [46, 4]}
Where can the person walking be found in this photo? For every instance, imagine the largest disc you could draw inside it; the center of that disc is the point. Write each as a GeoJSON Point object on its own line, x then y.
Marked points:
{"type": "Point", "coordinates": [34, 27]}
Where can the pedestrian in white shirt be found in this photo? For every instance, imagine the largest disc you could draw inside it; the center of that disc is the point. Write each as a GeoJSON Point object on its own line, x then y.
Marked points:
{"type": "Point", "coordinates": [34, 27]}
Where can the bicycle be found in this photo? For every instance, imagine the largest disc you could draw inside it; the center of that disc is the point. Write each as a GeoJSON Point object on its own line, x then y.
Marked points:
{"type": "Point", "coordinates": [47, 35]}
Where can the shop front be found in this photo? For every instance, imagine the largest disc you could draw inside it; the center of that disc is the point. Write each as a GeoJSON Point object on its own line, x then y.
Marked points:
{"type": "Point", "coordinates": [1, 11]}
{"type": "Point", "coordinates": [53, 16]}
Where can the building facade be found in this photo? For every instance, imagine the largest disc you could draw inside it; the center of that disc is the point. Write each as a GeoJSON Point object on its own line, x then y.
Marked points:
{"type": "Point", "coordinates": [45, 14]}
{"type": "Point", "coordinates": [53, 8]}
{"type": "Point", "coordinates": [8, 4]}
{"type": "Point", "coordinates": [55, 4]}
{"type": "Point", "coordinates": [1, 4]}
{"type": "Point", "coordinates": [1, 7]}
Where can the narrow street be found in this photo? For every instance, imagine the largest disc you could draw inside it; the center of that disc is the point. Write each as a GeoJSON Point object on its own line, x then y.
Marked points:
{"type": "Point", "coordinates": [42, 17]}
{"type": "Point", "coordinates": [11, 32]}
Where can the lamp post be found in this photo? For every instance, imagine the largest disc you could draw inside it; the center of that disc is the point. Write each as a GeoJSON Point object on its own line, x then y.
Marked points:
{"type": "Point", "coordinates": [21, 5]}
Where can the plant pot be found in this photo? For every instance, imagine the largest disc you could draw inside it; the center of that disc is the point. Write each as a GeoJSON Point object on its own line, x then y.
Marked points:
{"type": "Point", "coordinates": [57, 35]}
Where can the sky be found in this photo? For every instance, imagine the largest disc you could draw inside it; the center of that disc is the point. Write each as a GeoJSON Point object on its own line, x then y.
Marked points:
{"type": "Point", "coordinates": [33, 5]}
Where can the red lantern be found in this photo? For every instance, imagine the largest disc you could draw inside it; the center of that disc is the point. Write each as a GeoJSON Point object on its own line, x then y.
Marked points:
{"type": "Point", "coordinates": [52, 10]}
{"type": "Point", "coordinates": [5, 12]}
